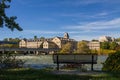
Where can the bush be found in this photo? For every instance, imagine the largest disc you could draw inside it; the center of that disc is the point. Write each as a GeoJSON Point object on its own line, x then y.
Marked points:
{"type": "Point", "coordinates": [9, 60]}
{"type": "Point", "coordinates": [112, 63]}
{"type": "Point", "coordinates": [106, 51]}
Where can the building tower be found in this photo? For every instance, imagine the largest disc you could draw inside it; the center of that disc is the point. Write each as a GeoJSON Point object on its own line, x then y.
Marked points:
{"type": "Point", "coordinates": [66, 35]}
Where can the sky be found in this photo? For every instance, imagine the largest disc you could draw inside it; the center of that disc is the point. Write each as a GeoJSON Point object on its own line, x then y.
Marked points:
{"type": "Point", "coordinates": [82, 19]}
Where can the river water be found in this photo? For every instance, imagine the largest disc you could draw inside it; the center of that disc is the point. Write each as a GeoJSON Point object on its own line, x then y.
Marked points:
{"type": "Point", "coordinates": [44, 61]}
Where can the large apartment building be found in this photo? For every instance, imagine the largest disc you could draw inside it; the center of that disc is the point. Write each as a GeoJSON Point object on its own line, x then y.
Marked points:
{"type": "Point", "coordinates": [30, 43]}
{"type": "Point", "coordinates": [56, 42]}
{"type": "Point", "coordinates": [59, 42]}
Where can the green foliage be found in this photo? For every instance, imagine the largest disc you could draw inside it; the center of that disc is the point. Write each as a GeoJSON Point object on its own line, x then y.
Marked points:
{"type": "Point", "coordinates": [117, 48]}
{"type": "Point", "coordinates": [42, 38]}
{"type": "Point", "coordinates": [109, 45]}
{"type": "Point", "coordinates": [9, 22]}
{"type": "Point", "coordinates": [118, 39]}
{"type": "Point", "coordinates": [9, 60]}
{"type": "Point", "coordinates": [106, 51]}
{"type": "Point", "coordinates": [11, 39]}
{"type": "Point", "coordinates": [105, 45]}
{"type": "Point", "coordinates": [9, 46]}
{"type": "Point", "coordinates": [113, 45]}
{"type": "Point", "coordinates": [67, 48]}
{"type": "Point", "coordinates": [112, 63]}
{"type": "Point", "coordinates": [36, 74]}
{"type": "Point", "coordinates": [12, 43]}
{"type": "Point", "coordinates": [94, 40]}
{"type": "Point", "coordinates": [82, 47]}
{"type": "Point", "coordinates": [35, 37]}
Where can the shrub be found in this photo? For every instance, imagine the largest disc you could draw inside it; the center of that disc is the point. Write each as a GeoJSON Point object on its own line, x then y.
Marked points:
{"type": "Point", "coordinates": [112, 63]}
{"type": "Point", "coordinates": [9, 60]}
{"type": "Point", "coordinates": [106, 51]}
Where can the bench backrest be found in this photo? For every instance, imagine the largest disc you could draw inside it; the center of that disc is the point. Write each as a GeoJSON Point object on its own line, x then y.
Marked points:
{"type": "Point", "coordinates": [75, 58]}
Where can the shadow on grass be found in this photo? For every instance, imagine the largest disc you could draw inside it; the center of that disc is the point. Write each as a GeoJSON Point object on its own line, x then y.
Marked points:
{"type": "Point", "coordinates": [35, 74]}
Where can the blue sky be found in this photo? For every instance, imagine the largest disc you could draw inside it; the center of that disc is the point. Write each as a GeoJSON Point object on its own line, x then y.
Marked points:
{"type": "Point", "coordinates": [82, 19]}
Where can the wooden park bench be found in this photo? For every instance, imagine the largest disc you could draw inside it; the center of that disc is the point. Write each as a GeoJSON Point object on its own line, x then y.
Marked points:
{"type": "Point", "coordinates": [75, 59]}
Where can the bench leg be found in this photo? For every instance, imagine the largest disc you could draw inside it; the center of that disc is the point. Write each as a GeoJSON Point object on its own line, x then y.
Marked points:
{"type": "Point", "coordinates": [92, 63]}
{"type": "Point", "coordinates": [57, 63]}
{"type": "Point", "coordinates": [91, 67]}
{"type": "Point", "coordinates": [57, 66]}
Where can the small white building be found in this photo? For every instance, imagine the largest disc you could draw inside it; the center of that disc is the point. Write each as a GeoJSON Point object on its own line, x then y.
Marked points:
{"type": "Point", "coordinates": [24, 43]}
{"type": "Point", "coordinates": [49, 44]}
{"type": "Point", "coordinates": [94, 45]}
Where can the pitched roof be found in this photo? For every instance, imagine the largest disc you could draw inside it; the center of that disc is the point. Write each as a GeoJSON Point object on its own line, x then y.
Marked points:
{"type": "Point", "coordinates": [65, 39]}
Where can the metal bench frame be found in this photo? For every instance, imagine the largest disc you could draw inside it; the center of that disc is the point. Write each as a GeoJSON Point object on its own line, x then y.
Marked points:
{"type": "Point", "coordinates": [75, 59]}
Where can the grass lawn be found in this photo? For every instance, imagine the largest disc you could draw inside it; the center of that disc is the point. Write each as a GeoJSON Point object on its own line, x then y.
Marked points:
{"type": "Point", "coordinates": [35, 74]}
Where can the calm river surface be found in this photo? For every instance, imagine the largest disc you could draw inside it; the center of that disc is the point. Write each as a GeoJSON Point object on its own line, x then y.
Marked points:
{"type": "Point", "coordinates": [44, 61]}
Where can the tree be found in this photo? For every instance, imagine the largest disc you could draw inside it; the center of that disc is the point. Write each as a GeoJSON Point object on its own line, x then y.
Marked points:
{"type": "Point", "coordinates": [118, 39]}
{"type": "Point", "coordinates": [94, 40]}
{"type": "Point", "coordinates": [9, 22]}
{"type": "Point", "coordinates": [112, 63]}
{"type": "Point", "coordinates": [35, 37]}
{"type": "Point", "coordinates": [117, 48]}
{"type": "Point", "coordinates": [82, 47]}
{"type": "Point", "coordinates": [67, 48]}
{"type": "Point", "coordinates": [113, 45]}
{"type": "Point", "coordinates": [105, 45]}
{"type": "Point", "coordinates": [9, 60]}
{"type": "Point", "coordinates": [10, 42]}
{"type": "Point", "coordinates": [42, 38]}
{"type": "Point", "coordinates": [11, 39]}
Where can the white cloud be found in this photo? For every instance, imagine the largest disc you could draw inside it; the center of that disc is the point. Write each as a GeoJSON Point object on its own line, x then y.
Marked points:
{"type": "Point", "coordinates": [82, 15]}
{"type": "Point", "coordinates": [41, 32]}
{"type": "Point", "coordinates": [99, 15]}
{"type": "Point", "coordinates": [85, 37]}
{"type": "Point", "coordinates": [103, 14]}
{"type": "Point", "coordinates": [71, 14]}
{"type": "Point", "coordinates": [97, 25]}
{"type": "Point", "coordinates": [49, 32]}
{"type": "Point", "coordinates": [82, 2]}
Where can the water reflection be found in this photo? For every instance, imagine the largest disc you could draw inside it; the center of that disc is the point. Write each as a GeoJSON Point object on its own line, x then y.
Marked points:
{"type": "Point", "coordinates": [44, 61]}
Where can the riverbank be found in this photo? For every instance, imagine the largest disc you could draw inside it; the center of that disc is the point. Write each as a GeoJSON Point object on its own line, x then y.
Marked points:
{"type": "Point", "coordinates": [44, 61]}
{"type": "Point", "coordinates": [45, 74]}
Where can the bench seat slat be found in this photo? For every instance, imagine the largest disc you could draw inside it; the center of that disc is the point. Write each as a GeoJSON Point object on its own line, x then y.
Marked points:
{"type": "Point", "coordinates": [83, 59]}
